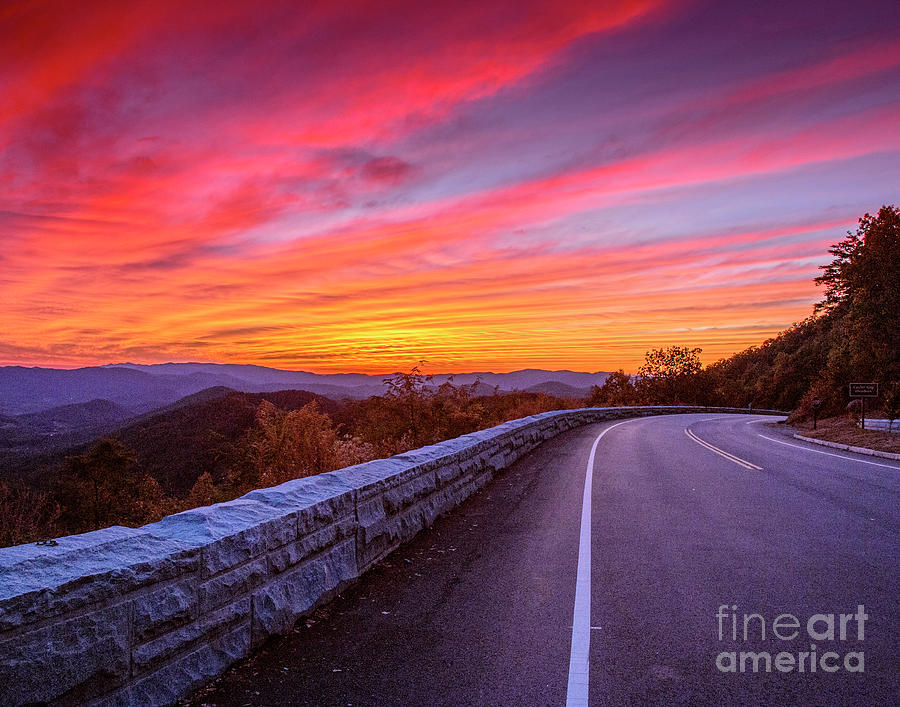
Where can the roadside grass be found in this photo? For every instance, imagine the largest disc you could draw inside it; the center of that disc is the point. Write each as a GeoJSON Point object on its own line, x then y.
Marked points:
{"type": "Point", "coordinates": [843, 429]}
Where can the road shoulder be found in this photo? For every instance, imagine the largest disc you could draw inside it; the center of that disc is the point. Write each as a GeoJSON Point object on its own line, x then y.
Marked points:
{"type": "Point", "coordinates": [848, 447]}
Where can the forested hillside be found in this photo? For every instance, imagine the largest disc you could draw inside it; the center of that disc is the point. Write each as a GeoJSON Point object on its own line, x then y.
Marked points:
{"type": "Point", "coordinates": [219, 444]}
{"type": "Point", "coordinates": [853, 334]}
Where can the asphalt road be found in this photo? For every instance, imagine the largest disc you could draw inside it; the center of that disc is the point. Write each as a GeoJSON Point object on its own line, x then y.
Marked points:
{"type": "Point", "coordinates": [686, 514]}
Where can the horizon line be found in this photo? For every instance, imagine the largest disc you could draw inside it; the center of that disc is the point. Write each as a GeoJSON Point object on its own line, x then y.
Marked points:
{"type": "Point", "coordinates": [299, 370]}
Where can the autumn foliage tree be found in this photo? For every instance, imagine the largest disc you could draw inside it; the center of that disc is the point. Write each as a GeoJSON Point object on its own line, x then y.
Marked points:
{"type": "Point", "coordinates": [617, 389]}
{"type": "Point", "coordinates": [668, 376]}
{"type": "Point", "coordinates": [862, 291]}
{"type": "Point", "coordinates": [413, 412]}
{"type": "Point", "coordinates": [854, 333]}
{"type": "Point", "coordinates": [286, 445]}
{"type": "Point", "coordinates": [290, 444]}
{"type": "Point", "coordinates": [892, 402]}
{"type": "Point", "coordinates": [101, 488]}
{"type": "Point", "coordinates": [26, 514]}
{"type": "Point", "coordinates": [204, 492]}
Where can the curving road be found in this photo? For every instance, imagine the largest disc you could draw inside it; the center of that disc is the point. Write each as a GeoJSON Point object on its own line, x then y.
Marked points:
{"type": "Point", "coordinates": [563, 582]}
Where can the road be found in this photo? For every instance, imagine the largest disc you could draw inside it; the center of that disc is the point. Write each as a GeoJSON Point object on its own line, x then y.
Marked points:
{"type": "Point", "coordinates": [687, 517]}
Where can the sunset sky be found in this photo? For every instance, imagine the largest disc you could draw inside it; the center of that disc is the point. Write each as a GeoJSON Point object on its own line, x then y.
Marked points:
{"type": "Point", "coordinates": [354, 186]}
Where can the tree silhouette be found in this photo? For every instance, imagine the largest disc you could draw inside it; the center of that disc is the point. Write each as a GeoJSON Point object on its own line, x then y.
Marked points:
{"type": "Point", "coordinates": [668, 376]}
{"type": "Point", "coordinates": [617, 389]}
{"type": "Point", "coordinates": [862, 290]}
{"type": "Point", "coordinates": [286, 445]}
{"type": "Point", "coordinates": [100, 487]}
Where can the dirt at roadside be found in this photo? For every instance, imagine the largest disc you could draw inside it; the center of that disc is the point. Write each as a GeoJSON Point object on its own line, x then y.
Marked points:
{"type": "Point", "coordinates": [844, 430]}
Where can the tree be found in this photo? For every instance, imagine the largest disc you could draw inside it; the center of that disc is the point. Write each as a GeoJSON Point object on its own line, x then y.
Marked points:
{"type": "Point", "coordinates": [667, 375]}
{"type": "Point", "coordinates": [862, 288]}
{"type": "Point", "coordinates": [617, 389]}
{"type": "Point", "coordinates": [408, 400]}
{"type": "Point", "coordinates": [101, 487]}
{"type": "Point", "coordinates": [315, 437]}
{"type": "Point", "coordinates": [892, 403]}
{"type": "Point", "coordinates": [95, 480]}
{"type": "Point", "coordinates": [203, 493]}
{"type": "Point", "coordinates": [402, 418]}
{"type": "Point", "coordinates": [778, 373]}
{"type": "Point", "coordinates": [25, 514]}
{"type": "Point", "coordinates": [454, 410]}
{"type": "Point", "coordinates": [286, 445]}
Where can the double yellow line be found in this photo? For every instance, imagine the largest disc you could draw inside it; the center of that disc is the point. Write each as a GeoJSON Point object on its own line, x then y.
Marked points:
{"type": "Point", "coordinates": [721, 452]}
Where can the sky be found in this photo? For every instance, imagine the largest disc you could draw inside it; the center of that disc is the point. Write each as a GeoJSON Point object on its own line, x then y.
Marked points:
{"type": "Point", "coordinates": [358, 186]}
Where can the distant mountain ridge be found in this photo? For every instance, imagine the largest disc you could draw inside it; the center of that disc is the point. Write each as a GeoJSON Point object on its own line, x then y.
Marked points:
{"type": "Point", "coordinates": [60, 427]}
{"type": "Point", "coordinates": [559, 390]}
{"type": "Point", "coordinates": [30, 390]}
{"type": "Point", "coordinates": [139, 388]}
{"type": "Point", "coordinates": [196, 433]}
{"type": "Point", "coordinates": [172, 443]}
{"type": "Point", "coordinates": [261, 375]}
{"type": "Point", "coordinates": [76, 415]}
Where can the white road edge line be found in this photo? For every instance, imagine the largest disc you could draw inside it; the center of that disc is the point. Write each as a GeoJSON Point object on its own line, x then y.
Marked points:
{"type": "Point", "coordinates": [722, 453]}
{"type": "Point", "coordinates": [828, 454]}
{"type": "Point", "coordinates": [579, 655]}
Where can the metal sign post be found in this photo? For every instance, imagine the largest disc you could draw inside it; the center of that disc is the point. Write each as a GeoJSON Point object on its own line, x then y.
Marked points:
{"type": "Point", "coordinates": [863, 391]}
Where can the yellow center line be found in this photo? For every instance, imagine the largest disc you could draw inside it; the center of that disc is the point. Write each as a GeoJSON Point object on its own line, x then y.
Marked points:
{"type": "Point", "coordinates": [722, 453]}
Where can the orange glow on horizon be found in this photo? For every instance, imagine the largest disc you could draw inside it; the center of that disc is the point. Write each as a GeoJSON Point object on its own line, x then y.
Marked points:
{"type": "Point", "coordinates": [361, 186]}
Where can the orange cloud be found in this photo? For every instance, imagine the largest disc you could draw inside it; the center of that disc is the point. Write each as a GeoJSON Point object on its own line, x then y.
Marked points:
{"type": "Point", "coordinates": [197, 181]}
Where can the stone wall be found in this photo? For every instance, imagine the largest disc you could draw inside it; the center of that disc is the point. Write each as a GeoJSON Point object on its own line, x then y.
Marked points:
{"type": "Point", "coordinates": [143, 616]}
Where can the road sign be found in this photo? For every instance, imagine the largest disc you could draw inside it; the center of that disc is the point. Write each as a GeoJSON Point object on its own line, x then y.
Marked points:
{"type": "Point", "coordinates": [864, 390]}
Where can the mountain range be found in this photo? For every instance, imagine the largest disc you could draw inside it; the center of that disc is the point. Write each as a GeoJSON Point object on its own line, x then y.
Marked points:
{"type": "Point", "coordinates": [47, 409]}
{"type": "Point", "coordinates": [139, 388]}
